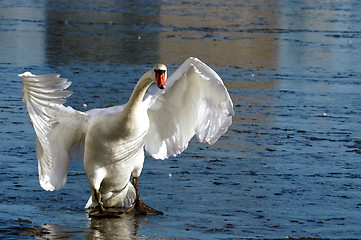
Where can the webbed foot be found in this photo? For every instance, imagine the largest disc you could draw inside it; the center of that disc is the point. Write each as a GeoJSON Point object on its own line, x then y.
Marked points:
{"type": "Point", "coordinates": [138, 206]}
{"type": "Point", "coordinates": [141, 208]}
{"type": "Point", "coordinates": [98, 213]}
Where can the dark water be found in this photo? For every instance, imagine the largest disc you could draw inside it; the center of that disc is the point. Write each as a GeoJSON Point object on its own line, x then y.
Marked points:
{"type": "Point", "coordinates": [289, 165]}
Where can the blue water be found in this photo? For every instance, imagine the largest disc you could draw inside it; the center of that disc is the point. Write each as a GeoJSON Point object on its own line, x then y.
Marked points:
{"type": "Point", "coordinates": [288, 166]}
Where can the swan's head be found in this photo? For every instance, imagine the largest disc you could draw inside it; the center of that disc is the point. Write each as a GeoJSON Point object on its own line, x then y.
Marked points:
{"type": "Point", "coordinates": [160, 71]}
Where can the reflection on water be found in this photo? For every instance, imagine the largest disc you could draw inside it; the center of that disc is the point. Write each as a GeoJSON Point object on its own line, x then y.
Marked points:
{"type": "Point", "coordinates": [233, 33]}
{"type": "Point", "coordinates": [108, 31]}
{"type": "Point", "coordinates": [125, 227]}
{"type": "Point", "coordinates": [141, 33]}
{"type": "Point", "coordinates": [22, 29]}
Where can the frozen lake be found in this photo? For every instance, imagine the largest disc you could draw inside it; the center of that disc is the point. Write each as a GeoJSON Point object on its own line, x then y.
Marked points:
{"type": "Point", "coordinates": [290, 164]}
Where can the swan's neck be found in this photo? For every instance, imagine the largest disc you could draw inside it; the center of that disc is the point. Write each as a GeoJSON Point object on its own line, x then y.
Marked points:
{"type": "Point", "coordinates": [127, 122]}
{"type": "Point", "coordinates": [139, 91]}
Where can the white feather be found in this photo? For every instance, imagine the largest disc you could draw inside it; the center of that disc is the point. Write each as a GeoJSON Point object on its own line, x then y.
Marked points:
{"type": "Point", "coordinates": [195, 102]}
{"type": "Point", "coordinates": [57, 128]}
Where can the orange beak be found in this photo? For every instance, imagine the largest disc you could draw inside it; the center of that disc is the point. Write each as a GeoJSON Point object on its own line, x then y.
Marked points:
{"type": "Point", "coordinates": [160, 77]}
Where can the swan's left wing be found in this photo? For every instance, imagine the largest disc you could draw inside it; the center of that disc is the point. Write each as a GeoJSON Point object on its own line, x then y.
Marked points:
{"type": "Point", "coordinates": [195, 102]}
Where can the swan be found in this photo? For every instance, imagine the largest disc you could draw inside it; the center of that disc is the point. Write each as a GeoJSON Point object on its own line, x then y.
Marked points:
{"type": "Point", "coordinates": [160, 118]}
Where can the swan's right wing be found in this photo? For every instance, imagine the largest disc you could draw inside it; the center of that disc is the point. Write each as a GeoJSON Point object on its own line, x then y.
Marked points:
{"type": "Point", "coordinates": [59, 130]}
{"type": "Point", "coordinates": [195, 102]}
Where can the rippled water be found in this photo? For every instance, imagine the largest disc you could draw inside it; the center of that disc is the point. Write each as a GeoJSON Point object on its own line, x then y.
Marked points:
{"type": "Point", "coordinates": [288, 166]}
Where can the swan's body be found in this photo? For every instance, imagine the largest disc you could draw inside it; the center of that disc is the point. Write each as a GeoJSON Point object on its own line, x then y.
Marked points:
{"type": "Point", "coordinates": [119, 137]}
{"type": "Point", "coordinates": [112, 140]}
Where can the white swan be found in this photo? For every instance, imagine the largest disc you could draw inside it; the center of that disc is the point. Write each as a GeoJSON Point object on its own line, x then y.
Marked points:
{"type": "Point", "coordinates": [111, 140]}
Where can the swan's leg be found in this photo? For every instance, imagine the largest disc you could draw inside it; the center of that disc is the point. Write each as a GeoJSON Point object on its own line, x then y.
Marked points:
{"type": "Point", "coordinates": [95, 179]}
{"type": "Point", "coordinates": [100, 211]}
{"type": "Point", "coordinates": [138, 205]}
{"type": "Point", "coordinates": [98, 198]}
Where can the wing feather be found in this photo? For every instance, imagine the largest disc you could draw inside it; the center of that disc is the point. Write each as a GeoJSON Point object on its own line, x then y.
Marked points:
{"type": "Point", "coordinates": [195, 102]}
{"type": "Point", "coordinates": [59, 130]}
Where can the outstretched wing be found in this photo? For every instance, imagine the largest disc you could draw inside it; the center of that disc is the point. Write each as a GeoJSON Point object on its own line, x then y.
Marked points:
{"type": "Point", "coordinates": [195, 102]}
{"type": "Point", "coordinates": [59, 130]}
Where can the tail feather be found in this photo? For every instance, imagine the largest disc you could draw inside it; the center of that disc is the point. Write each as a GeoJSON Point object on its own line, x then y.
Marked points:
{"type": "Point", "coordinates": [128, 201]}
